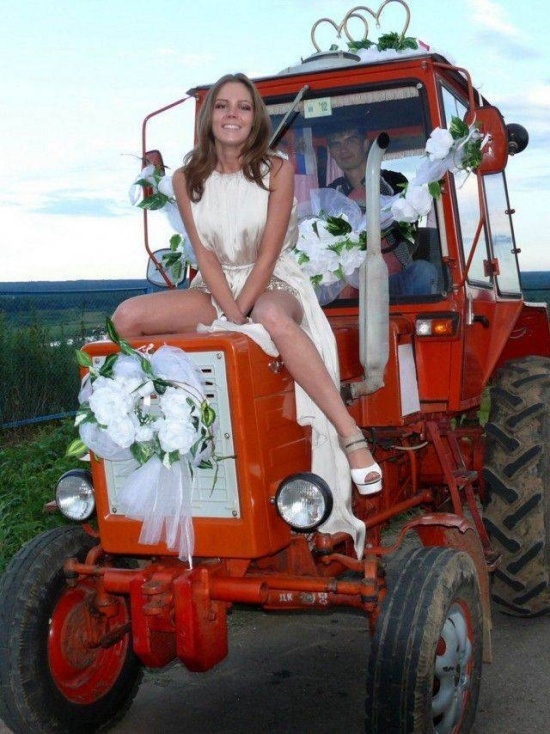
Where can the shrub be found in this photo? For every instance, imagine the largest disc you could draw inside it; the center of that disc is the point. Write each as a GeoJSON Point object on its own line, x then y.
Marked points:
{"type": "Point", "coordinates": [31, 462]}
{"type": "Point", "coordinates": [39, 374]}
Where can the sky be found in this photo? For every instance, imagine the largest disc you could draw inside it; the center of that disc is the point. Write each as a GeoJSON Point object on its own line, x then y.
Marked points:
{"type": "Point", "coordinates": [79, 76]}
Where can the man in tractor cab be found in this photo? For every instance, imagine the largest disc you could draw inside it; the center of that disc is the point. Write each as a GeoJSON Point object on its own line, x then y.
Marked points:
{"type": "Point", "coordinates": [348, 147]}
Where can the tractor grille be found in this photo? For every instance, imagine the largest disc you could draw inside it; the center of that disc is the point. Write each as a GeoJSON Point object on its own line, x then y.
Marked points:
{"type": "Point", "coordinates": [215, 492]}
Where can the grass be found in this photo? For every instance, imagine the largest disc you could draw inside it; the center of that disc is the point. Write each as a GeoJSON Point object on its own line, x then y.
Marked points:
{"type": "Point", "coordinates": [31, 462]}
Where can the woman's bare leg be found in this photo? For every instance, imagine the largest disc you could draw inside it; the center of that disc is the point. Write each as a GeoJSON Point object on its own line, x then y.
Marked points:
{"type": "Point", "coordinates": [165, 312]}
{"type": "Point", "coordinates": [280, 314]}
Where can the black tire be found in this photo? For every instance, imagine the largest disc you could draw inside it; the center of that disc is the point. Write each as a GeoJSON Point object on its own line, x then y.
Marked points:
{"type": "Point", "coordinates": [427, 648]}
{"type": "Point", "coordinates": [50, 681]}
{"type": "Point", "coordinates": [517, 471]}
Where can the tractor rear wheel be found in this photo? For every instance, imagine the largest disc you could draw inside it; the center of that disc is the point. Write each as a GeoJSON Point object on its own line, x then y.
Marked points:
{"type": "Point", "coordinates": [56, 674]}
{"type": "Point", "coordinates": [425, 659]}
{"type": "Point", "coordinates": [517, 472]}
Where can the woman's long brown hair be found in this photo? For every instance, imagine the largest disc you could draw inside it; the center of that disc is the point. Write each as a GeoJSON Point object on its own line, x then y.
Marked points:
{"type": "Point", "coordinates": [199, 163]}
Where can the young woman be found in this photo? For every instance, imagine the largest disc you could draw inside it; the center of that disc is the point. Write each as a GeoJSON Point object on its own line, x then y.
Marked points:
{"type": "Point", "coordinates": [236, 199]}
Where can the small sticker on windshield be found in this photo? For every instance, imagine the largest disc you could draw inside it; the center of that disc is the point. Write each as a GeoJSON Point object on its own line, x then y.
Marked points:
{"type": "Point", "coordinates": [317, 107]}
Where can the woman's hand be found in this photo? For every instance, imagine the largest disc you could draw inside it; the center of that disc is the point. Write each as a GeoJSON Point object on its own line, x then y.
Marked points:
{"type": "Point", "coordinates": [235, 318]}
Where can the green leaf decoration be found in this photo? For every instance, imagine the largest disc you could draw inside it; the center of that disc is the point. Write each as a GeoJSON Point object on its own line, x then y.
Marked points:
{"type": "Point", "coordinates": [76, 449]}
{"type": "Point", "coordinates": [208, 414]}
{"type": "Point", "coordinates": [83, 359]}
{"type": "Point", "coordinates": [434, 187]}
{"type": "Point", "coordinates": [154, 202]}
{"type": "Point", "coordinates": [106, 369]}
{"type": "Point", "coordinates": [458, 128]}
{"type": "Point", "coordinates": [175, 241]}
{"type": "Point", "coordinates": [358, 45]}
{"type": "Point", "coordinates": [111, 331]}
{"type": "Point", "coordinates": [396, 42]}
{"type": "Point", "coordinates": [337, 226]}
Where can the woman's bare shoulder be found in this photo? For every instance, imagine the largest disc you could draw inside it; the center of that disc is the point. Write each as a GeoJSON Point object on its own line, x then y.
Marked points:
{"type": "Point", "coordinates": [179, 174]}
{"type": "Point", "coordinates": [280, 166]}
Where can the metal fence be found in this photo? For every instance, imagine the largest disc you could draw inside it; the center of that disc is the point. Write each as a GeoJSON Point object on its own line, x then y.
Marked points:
{"type": "Point", "coordinates": [41, 325]}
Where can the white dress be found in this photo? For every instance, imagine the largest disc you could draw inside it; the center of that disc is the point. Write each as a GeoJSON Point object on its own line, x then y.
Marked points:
{"type": "Point", "coordinates": [230, 219]}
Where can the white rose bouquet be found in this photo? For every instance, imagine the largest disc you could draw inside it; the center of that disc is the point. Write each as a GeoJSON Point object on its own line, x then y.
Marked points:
{"type": "Point", "coordinates": [130, 405]}
{"type": "Point", "coordinates": [331, 242]}
{"type": "Point", "coordinates": [149, 408]}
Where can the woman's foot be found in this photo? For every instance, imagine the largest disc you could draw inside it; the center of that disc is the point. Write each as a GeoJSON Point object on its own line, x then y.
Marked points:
{"type": "Point", "coordinates": [365, 472]}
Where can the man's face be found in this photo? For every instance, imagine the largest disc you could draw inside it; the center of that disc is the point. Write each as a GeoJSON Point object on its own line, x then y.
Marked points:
{"type": "Point", "coordinates": [348, 149]}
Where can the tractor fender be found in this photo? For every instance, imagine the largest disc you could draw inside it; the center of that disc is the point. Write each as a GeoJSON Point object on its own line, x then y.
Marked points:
{"type": "Point", "coordinates": [453, 531]}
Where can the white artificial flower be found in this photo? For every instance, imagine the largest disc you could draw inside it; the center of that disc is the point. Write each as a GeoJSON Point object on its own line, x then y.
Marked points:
{"type": "Point", "coordinates": [128, 365]}
{"type": "Point", "coordinates": [175, 435]}
{"type": "Point", "coordinates": [109, 401]}
{"type": "Point", "coordinates": [439, 144]}
{"type": "Point", "coordinates": [403, 211]}
{"type": "Point", "coordinates": [165, 186]}
{"type": "Point", "coordinates": [122, 431]}
{"type": "Point", "coordinates": [416, 203]}
{"type": "Point", "coordinates": [147, 174]}
{"type": "Point", "coordinates": [322, 262]}
{"type": "Point", "coordinates": [350, 260]}
{"type": "Point", "coordinates": [144, 433]}
{"type": "Point", "coordinates": [420, 198]}
{"type": "Point", "coordinates": [313, 232]}
{"type": "Point", "coordinates": [174, 406]}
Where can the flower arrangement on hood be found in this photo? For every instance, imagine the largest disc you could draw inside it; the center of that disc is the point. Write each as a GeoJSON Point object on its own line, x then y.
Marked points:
{"type": "Point", "coordinates": [148, 404]}
{"type": "Point", "coordinates": [149, 409]}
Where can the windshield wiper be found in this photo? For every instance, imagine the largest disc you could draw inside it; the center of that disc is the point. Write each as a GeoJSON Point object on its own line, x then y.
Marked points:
{"type": "Point", "coordinates": [286, 122]}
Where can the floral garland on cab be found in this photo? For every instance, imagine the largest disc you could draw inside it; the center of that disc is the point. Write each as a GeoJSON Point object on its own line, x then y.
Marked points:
{"type": "Point", "coordinates": [330, 249]}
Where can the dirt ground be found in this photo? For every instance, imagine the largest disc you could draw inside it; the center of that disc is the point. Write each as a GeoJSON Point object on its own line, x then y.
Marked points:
{"type": "Point", "coordinates": [302, 673]}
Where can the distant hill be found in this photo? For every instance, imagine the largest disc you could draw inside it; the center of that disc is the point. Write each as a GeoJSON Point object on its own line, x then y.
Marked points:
{"type": "Point", "coordinates": [55, 286]}
{"type": "Point", "coordinates": [531, 280]}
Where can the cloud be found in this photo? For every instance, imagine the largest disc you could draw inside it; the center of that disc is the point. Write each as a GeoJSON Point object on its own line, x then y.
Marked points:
{"type": "Point", "coordinates": [489, 14]}
{"type": "Point", "coordinates": [494, 31]}
{"type": "Point", "coordinates": [68, 204]}
{"type": "Point", "coordinates": [505, 46]}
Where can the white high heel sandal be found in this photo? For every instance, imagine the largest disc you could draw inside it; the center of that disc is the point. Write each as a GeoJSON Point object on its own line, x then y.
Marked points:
{"type": "Point", "coordinates": [355, 442]}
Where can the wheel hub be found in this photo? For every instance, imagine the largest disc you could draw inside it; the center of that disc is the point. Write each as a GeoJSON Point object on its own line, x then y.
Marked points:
{"type": "Point", "coordinates": [452, 677]}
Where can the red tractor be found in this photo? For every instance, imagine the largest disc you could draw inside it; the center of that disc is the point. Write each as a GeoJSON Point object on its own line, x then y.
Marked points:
{"type": "Point", "coordinates": [463, 513]}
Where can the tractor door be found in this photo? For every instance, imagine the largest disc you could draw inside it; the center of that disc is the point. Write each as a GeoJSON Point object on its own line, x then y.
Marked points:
{"type": "Point", "coordinates": [492, 288]}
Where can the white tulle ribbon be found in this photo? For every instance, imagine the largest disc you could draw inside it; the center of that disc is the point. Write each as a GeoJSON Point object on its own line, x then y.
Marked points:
{"type": "Point", "coordinates": [160, 498]}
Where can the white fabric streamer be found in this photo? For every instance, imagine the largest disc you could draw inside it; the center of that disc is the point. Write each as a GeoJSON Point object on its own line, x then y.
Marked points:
{"type": "Point", "coordinates": [160, 498]}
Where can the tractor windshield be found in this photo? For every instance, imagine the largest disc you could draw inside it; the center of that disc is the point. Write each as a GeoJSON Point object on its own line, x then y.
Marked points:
{"type": "Point", "coordinates": [327, 138]}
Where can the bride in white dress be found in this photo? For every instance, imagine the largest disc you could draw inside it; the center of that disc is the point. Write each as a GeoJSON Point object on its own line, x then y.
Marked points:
{"type": "Point", "coordinates": [236, 199]}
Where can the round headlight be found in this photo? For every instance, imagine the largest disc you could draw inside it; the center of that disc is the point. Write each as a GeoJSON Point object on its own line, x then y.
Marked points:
{"type": "Point", "coordinates": [304, 501]}
{"type": "Point", "coordinates": [74, 495]}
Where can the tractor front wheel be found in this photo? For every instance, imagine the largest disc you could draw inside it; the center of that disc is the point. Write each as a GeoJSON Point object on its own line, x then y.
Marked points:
{"type": "Point", "coordinates": [425, 659]}
{"type": "Point", "coordinates": [64, 667]}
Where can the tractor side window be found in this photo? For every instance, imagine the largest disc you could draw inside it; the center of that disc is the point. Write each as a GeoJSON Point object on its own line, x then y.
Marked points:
{"type": "Point", "coordinates": [502, 236]}
{"type": "Point", "coordinates": [467, 197]}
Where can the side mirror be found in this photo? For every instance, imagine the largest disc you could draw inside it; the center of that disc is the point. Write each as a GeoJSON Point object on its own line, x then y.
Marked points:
{"type": "Point", "coordinates": [495, 153]}
{"type": "Point", "coordinates": [162, 272]}
{"type": "Point", "coordinates": [518, 138]}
